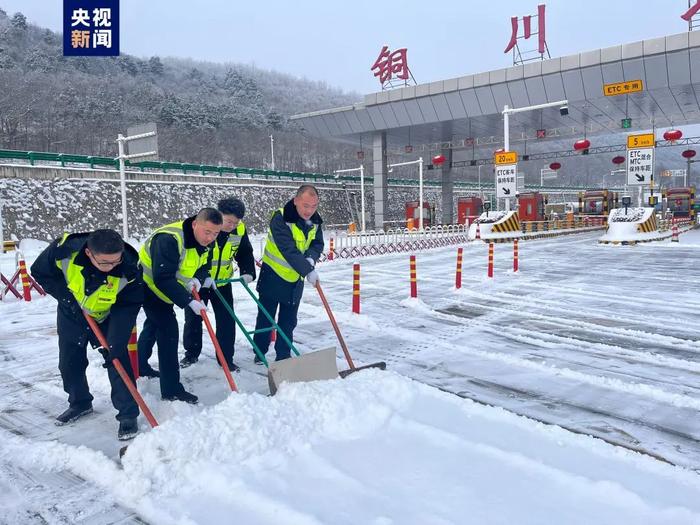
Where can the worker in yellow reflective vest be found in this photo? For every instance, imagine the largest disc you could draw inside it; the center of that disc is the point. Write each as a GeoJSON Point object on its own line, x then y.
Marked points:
{"type": "Point", "coordinates": [232, 247]}
{"type": "Point", "coordinates": [97, 273]}
{"type": "Point", "coordinates": [175, 259]}
{"type": "Point", "coordinates": [293, 246]}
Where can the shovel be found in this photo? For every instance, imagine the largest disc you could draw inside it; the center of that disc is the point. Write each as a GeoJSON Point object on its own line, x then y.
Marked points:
{"type": "Point", "coordinates": [344, 373]}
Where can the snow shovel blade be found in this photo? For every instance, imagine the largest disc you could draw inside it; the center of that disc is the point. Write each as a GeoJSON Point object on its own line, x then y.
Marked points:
{"type": "Point", "coordinates": [345, 373]}
{"type": "Point", "coordinates": [307, 367]}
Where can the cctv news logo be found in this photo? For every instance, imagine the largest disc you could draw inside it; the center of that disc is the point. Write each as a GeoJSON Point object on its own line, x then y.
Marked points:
{"type": "Point", "coordinates": [90, 27]}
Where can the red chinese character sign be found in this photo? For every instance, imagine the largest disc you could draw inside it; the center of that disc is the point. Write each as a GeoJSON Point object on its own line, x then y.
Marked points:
{"type": "Point", "coordinates": [390, 65]}
{"type": "Point", "coordinates": [691, 16]}
{"type": "Point", "coordinates": [524, 55]}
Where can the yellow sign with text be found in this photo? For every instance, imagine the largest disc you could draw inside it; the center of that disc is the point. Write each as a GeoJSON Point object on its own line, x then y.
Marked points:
{"type": "Point", "coordinates": [505, 157]}
{"type": "Point", "coordinates": [622, 88]}
{"type": "Point", "coordinates": [646, 140]}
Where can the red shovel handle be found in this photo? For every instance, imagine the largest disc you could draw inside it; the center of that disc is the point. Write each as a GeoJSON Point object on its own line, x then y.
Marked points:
{"type": "Point", "coordinates": [335, 326]}
{"type": "Point", "coordinates": [217, 346]}
{"type": "Point", "coordinates": [122, 373]}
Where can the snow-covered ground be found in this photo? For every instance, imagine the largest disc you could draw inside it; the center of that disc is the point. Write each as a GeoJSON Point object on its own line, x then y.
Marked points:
{"type": "Point", "coordinates": [594, 339]}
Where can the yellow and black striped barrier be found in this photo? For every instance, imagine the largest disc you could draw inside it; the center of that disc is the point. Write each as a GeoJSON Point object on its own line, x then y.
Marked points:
{"type": "Point", "coordinates": [511, 224]}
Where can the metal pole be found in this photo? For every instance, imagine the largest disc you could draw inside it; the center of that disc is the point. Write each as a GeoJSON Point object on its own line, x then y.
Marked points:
{"type": "Point", "coordinates": [2, 233]}
{"type": "Point", "coordinates": [272, 152]}
{"type": "Point", "coordinates": [420, 193]}
{"type": "Point", "coordinates": [362, 195]}
{"type": "Point", "coordinates": [122, 178]}
{"type": "Point", "coordinates": [480, 195]}
{"type": "Point", "coordinates": [506, 146]}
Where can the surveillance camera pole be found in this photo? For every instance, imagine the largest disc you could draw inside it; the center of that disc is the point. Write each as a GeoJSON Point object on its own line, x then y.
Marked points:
{"type": "Point", "coordinates": [506, 132]}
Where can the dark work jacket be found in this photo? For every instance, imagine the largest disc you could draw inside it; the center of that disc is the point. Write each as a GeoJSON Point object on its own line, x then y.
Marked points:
{"type": "Point", "coordinates": [122, 315]}
{"type": "Point", "coordinates": [272, 285]}
{"type": "Point", "coordinates": [244, 256]}
{"type": "Point", "coordinates": [165, 258]}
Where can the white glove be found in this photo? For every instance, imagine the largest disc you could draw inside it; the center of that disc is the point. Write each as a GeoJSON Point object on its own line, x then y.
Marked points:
{"type": "Point", "coordinates": [197, 306]}
{"type": "Point", "coordinates": [209, 283]}
{"type": "Point", "coordinates": [312, 277]}
{"type": "Point", "coordinates": [311, 262]}
{"type": "Point", "coordinates": [247, 278]}
{"type": "Point", "coordinates": [194, 283]}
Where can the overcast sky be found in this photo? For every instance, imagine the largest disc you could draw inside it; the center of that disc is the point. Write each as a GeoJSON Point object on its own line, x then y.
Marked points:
{"type": "Point", "coordinates": [337, 42]}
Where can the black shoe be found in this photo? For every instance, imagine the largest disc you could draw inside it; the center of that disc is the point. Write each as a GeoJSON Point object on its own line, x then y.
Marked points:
{"type": "Point", "coordinates": [182, 396]}
{"type": "Point", "coordinates": [233, 367]}
{"type": "Point", "coordinates": [188, 360]}
{"type": "Point", "coordinates": [127, 429]}
{"type": "Point", "coordinates": [73, 414]}
{"type": "Point", "coordinates": [257, 360]}
{"type": "Point", "coordinates": [148, 371]}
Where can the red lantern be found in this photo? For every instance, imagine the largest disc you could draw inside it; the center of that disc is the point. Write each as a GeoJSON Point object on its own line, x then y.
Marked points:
{"type": "Point", "coordinates": [360, 155]}
{"type": "Point", "coordinates": [582, 144]}
{"type": "Point", "coordinates": [688, 154]}
{"type": "Point", "coordinates": [554, 166]}
{"type": "Point", "coordinates": [673, 134]}
{"type": "Point", "coordinates": [618, 160]}
{"type": "Point", "coordinates": [438, 160]}
{"type": "Point", "coordinates": [408, 149]}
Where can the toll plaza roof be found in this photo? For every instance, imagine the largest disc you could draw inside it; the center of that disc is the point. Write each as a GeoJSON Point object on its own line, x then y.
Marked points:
{"type": "Point", "coordinates": [465, 111]}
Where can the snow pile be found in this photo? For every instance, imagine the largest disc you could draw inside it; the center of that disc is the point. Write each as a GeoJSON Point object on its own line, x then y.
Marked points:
{"type": "Point", "coordinates": [629, 215]}
{"type": "Point", "coordinates": [374, 448]}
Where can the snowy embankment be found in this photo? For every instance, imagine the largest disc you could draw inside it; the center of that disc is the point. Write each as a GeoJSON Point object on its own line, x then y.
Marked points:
{"type": "Point", "coordinates": [374, 448]}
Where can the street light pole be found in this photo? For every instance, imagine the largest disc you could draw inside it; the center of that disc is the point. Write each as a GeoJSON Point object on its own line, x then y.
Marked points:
{"type": "Point", "coordinates": [418, 161]}
{"type": "Point", "coordinates": [122, 180]}
{"type": "Point", "coordinates": [361, 169]}
{"type": "Point", "coordinates": [506, 124]}
{"type": "Point", "coordinates": [272, 153]}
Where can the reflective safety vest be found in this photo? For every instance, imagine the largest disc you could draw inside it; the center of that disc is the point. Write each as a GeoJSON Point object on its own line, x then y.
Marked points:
{"type": "Point", "coordinates": [99, 302]}
{"type": "Point", "coordinates": [190, 260]}
{"type": "Point", "coordinates": [273, 256]}
{"type": "Point", "coordinates": [222, 258]}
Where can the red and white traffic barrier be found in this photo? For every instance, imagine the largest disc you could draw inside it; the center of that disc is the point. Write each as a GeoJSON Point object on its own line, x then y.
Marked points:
{"type": "Point", "coordinates": [458, 273]}
{"type": "Point", "coordinates": [356, 288]}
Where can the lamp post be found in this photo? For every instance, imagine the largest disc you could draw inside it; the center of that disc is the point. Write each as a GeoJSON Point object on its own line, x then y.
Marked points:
{"type": "Point", "coordinates": [563, 110]}
{"type": "Point", "coordinates": [361, 169]}
{"type": "Point", "coordinates": [418, 161]}
{"type": "Point", "coordinates": [272, 153]}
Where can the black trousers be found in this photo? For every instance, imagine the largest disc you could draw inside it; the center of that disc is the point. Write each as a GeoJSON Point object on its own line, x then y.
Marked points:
{"type": "Point", "coordinates": [147, 340]}
{"type": "Point", "coordinates": [73, 336]}
{"type": "Point", "coordinates": [286, 320]}
{"type": "Point", "coordinates": [161, 318]}
{"type": "Point", "coordinates": [225, 325]}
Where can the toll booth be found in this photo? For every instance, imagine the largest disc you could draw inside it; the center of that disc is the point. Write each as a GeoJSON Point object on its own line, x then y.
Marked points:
{"type": "Point", "coordinates": [597, 202]}
{"type": "Point", "coordinates": [468, 209]}
{"type": "Point", "coordinates": [413, 215]}
{"type": "Point", "coordinates": [531, 206]}
{"type": "Point", "coordinates": [680, 201]}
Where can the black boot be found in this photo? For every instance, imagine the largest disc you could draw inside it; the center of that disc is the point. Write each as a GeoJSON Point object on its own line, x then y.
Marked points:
{"type": "Point", "coordinates": [148, 371]}
{"type": "Point", "coordinates": [188, 361]}
{"type": "Point", "coordinates": [73, 414]}
{"type": "Point", "coordinates": [128, 428]}
{"type": "Point", "coordinates": [183, 395]}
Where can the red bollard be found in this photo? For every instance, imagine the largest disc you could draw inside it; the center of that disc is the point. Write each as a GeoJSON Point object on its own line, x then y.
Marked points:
{"type": "Point", "coordinates": [674, 233]}
{"type": "Point", "coordinates": [458, 275]}
{"type": "Point", "coordinates": [515, 255]}
{"type": "Point", "coordinates": [273, 335]}
{"type": "Point", "coordinates": [356, 288]}
{"type": "Point", "coordinates": [132, 347]}
{"type": "Point", "coordinates": [331, 250]}
{"type": "Point", "coordinates": [490, 270]}
{"type": "Point", "coordinates": [414, 284]}
{"type": "Point", "coordinates": [26, 285]}
{"type": "Point", "coordinates": [478, 232]}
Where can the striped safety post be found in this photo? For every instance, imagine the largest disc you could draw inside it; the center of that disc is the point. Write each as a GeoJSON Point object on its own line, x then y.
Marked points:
{"type": "Point", "coordinates": [331, 250]}
{"type": "Point", "coordinates": [490, 269]}
{"type": "Point", "coordinates": [273, 335]}
{"type": "Point", "coordinates": [674, 233]}
{"type": "Point", "coordinates": [478, 232]}
{"type": "Point", "coordinates": [414, 284]}
{"type": "Point", "coordinates": [515, 255]}
{"type": "Point", "coordinates": [356, 288]}
{"type": "Point", "coordinates": [132, 347]}
{"type": "Point", "coordinates": [458, 274]}
{"type": "Point", "coordinates": [24, 276]}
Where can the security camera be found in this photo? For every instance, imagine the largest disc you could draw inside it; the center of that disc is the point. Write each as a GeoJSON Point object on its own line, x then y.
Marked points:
{"type": "Point", "coordinates": [564, 110]}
